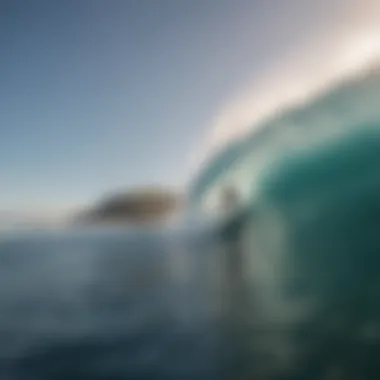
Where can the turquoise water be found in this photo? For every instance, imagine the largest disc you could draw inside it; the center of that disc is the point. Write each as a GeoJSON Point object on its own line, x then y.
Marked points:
{"type": "Point", "coordinates": [348, 108]}
{"type": "Point", "coordinates": [309, 186]}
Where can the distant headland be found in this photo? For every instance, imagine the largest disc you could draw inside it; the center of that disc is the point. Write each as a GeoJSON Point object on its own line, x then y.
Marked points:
{"type": "Point", "coordinates": [138, 206]}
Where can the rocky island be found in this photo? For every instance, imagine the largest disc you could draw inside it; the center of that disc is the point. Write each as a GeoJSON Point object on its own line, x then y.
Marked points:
{"type": "Point", "coordinates": [148, 205]}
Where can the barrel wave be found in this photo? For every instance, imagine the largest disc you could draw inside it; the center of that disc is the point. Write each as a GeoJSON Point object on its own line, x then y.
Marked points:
{"type": "Point", "coordinates": [352, 106]}
{"type": "Point", "coordinates": [309, 185]}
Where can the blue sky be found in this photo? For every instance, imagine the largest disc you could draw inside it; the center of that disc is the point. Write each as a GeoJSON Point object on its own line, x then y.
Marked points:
{"type": "Point", "coordinates": [98, 96]}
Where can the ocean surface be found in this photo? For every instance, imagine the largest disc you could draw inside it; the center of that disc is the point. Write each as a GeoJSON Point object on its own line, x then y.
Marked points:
{"type": "Point", "coordinates": [109, 304]}
{"type": "Point", "coordinates": [234, 302]}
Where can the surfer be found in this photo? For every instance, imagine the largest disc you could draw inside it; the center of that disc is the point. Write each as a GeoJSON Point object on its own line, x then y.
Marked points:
{"type": "Point", "coordinates": [235, 345]}
{"type": "Point", "coordinates": [229, 199]}
{"type": "Point", "coordinates": [232, 232]}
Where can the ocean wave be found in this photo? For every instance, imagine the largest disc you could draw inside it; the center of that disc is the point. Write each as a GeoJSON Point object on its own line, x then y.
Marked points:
{"type": "Point", "coordinates": [351, 105]}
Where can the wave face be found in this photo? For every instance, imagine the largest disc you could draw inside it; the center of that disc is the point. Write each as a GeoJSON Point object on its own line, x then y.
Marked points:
{"type": "Point", "coordinates": [310, 182]}
{"type": "Point", "coordinates": [350, 107]}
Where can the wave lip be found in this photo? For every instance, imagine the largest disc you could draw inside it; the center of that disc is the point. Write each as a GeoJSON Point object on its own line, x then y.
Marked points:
{"type": "Point", "coordinates": [349, 106]}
